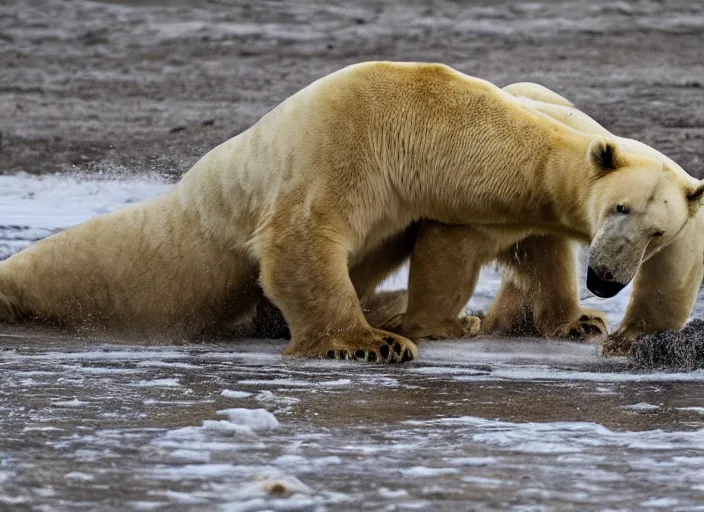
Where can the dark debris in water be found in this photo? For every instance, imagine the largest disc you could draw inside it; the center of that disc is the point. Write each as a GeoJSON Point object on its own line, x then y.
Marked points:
{"type": "Point", "coordinates": [679, 350]}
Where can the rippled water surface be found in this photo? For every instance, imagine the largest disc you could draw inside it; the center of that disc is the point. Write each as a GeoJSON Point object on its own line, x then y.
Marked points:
{"type": "Point", "coordinates": [485, 424]}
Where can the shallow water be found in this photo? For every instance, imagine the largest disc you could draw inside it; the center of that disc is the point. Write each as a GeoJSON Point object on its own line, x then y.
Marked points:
{"type": "Point", "coordinates": [484, 424]}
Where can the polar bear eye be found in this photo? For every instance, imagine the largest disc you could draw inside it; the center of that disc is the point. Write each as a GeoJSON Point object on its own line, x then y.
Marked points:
{"type": "Point", "coordinates": [622, 208]}
{"type": "Point", "coordinates": [658, 233]}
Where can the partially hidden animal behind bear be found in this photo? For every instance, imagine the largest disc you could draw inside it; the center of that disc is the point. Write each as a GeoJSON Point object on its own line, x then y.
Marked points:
{"type": "Point", "coordinates": [539, 293]}
{"type": "Point", "coordinates": [320, 200]}
{"type": "Point", "coordinates": [667, 284]}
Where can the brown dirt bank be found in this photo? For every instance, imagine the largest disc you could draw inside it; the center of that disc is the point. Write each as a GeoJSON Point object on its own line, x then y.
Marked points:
{"type": "Point", "coordinates": [150, 85]}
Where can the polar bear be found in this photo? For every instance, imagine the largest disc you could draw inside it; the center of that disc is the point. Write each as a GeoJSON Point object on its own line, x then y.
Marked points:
{"type": "Point", "coordinates": [320, 200]}
{"type": "Point", "coordinates": [667, 284]}
{"type": "Point", "coordinates": [539, 292]}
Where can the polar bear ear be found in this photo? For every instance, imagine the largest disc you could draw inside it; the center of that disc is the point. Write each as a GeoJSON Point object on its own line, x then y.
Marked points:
{"type": "Point", "coordinates": [603, 154]}
{"type": "Point", "coordinates": [697, 193]}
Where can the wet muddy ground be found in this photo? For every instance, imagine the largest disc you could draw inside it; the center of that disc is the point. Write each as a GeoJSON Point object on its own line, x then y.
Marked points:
{"type": "Point", "coordinates": [150, 85]}
{"type": "Point", "coordinates": [482, 425]}
{"type": "Point", "coordinates": [140, 89]}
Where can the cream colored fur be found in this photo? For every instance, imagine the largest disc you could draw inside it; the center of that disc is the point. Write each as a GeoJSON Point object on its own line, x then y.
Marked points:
{"type": "Point", "coordinates": [539, 293]}
{"type": "Point", "coordinates": [319, 201]}
{"type": "Point", "coordinates": [667, 284]}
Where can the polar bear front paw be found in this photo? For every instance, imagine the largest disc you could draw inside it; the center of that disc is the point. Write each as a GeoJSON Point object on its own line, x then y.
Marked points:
{"type": "Point", "coordinates": [618, 346]}
{"type": "Point", "coordinates": [590, 324]}
{"type": "Point", "coordinates": [374, 346]}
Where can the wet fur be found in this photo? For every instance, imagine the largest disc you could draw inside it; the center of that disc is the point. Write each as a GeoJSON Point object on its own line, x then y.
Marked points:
{"type": "Point", "coordinates": [314, 206]}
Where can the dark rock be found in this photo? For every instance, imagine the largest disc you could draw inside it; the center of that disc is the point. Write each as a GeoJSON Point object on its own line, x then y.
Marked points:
{"type": "Point", "coordinates": [680, 350]}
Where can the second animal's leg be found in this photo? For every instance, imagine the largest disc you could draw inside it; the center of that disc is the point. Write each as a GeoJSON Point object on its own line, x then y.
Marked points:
{"type": "Point", "coordinates": [304, 271]}
{"type": "Point", "coordinates": [511, 312]}
{"type": "Point", "coordinates": [445, 265]}
{"type": "Point", "coordinates": [541, 292]}
{"type": "Point", "coordinates": [382, 261]}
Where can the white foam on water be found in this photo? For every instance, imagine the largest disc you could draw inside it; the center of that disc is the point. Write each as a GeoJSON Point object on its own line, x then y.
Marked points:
{"type": "Point", "coordinates": [564, 437]}
{"type": "Point", "coordinates": [195, 471]}
{"type": "Point", "coordinates": [221, 427]}
{"type": "Point", "coordinates": [229, 393]}
{"type": "Point", "coordinates": [339, 383]}
{"type": "Point", "coordinates": [387, 493]}
{"type": "Point", "coordinates": [282, 403]}
{"type": "Point", "coordinates": [699, 410]}
{"type": "Point", "coordinates": [183, 455]}
{"type": "Point", "coordinates": [642, 407]}
{"type": "Point", "coordinates": [166, 364]}
{"type": "Point", "coordinates": [78, 476]}
{"type": "Point", "coordinates": [256, 419]}
{"type": "Point", "coordinates": [158, 383]}
{"type": "Point", "coordinates": [424, 471]}
{"type": "Point", "coordinates": [472, 461]}
{"type": "Point", "coordinates": [290, 383]}
{"type": "Point", "coordinates": [111, 354]}
{"type": "Point", "coordinates": [70, 403]}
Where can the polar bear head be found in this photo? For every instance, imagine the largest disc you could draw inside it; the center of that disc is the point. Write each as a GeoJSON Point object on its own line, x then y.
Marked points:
{"type": "Point", "coordinates": [641, 203]}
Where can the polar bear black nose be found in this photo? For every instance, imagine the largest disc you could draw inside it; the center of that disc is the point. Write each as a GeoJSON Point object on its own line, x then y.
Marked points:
{"type": "Point", "coordinates": [602, 284]}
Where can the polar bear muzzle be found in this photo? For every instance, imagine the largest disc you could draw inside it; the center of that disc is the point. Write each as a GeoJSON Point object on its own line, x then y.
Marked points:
{"type": "Point", "coordinates": [600, 283]}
